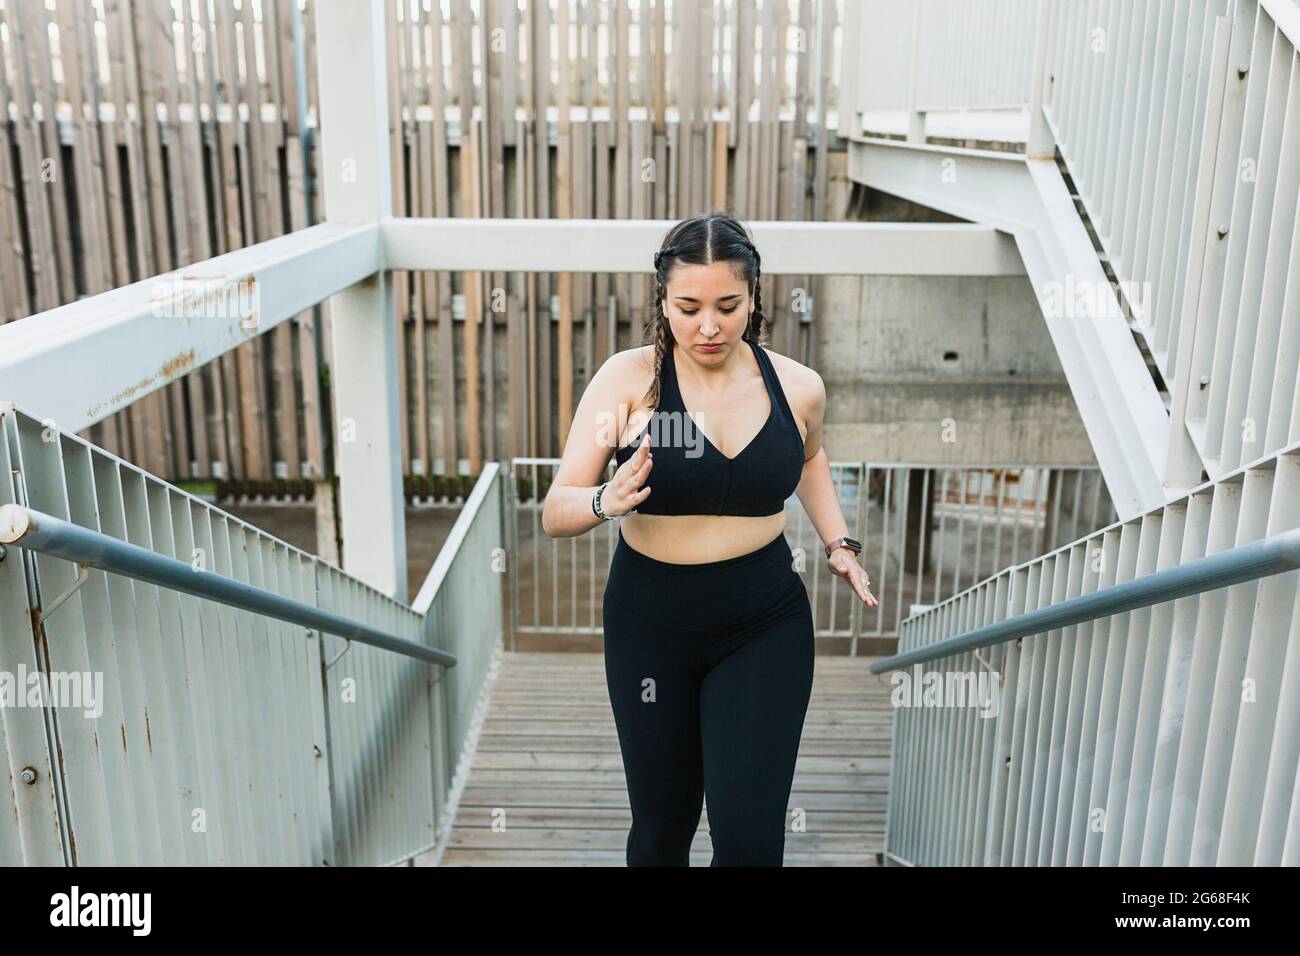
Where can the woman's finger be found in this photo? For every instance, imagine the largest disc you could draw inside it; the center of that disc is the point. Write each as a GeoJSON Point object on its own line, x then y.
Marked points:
{"type": "Point", "coordinates": [638, 459]}
{"type": "Point", "coordinates": [863, 594]}
{"type": "Point", "coordinates": [862, 583]}
{"type": "Point", "coordinates": [643, 450]}
{"type": "Point", "coordinates": [848, 571]}
{"type": "Point", "coordinates": [858, 579]}
{"type": "Point", "coordinates": [636, 478]}
{"type": "Point", "coordinates": [870, 599]}
{"type": "Point", "coordinates": [857, 587]}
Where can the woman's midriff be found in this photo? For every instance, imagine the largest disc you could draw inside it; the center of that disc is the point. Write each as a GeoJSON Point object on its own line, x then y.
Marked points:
{"type": "Point", "coordinates": [696, 539]}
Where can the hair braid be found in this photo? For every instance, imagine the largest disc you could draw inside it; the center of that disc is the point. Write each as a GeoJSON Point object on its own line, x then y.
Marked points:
{"type": "Point", "coordinates": [660, 338]}
{"type": "Point", "coordinates": [756, 320]}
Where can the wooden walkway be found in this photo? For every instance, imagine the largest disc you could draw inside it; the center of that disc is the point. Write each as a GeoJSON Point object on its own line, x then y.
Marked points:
{"type": "Point", "coordinates": [548, 762]}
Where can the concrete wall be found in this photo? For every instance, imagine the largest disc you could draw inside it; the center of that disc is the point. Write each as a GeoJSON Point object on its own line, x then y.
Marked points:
{"type": "Point", "coordinates": [954, 370]}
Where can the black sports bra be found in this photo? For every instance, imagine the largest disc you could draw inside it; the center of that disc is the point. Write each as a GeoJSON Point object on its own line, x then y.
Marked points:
{"type": "Point", "coordinates": [691, 477]}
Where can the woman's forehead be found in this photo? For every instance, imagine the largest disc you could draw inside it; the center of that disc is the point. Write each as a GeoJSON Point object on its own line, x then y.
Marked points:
{"type": "Point", "coordinates": [712, 281]}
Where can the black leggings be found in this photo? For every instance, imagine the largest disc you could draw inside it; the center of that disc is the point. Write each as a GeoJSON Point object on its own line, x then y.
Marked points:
{"type": "Point", "coordinates": [710, 669]}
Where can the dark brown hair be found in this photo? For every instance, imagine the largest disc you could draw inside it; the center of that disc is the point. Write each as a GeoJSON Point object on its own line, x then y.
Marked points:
{"type": "Point", "coordinates": [701, 240]}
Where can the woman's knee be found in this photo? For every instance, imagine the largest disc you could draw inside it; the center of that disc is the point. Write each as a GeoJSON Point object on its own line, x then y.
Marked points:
{"type": "Point", "coordinates": [749, 847]}
{"type": "Point", "coordinates": [659, 845]}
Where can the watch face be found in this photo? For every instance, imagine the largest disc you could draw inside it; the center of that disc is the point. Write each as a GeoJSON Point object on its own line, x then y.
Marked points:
{"type": "Point", "coordinates": [844, 543]}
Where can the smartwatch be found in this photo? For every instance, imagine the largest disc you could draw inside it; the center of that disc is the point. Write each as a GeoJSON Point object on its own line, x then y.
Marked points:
{"type": "Point", "coordinates": [852, 545]}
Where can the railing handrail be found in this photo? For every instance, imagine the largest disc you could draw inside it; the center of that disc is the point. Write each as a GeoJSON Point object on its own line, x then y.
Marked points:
{"type": "Point", "coordinates": [1268, 556]}
{"type": "Point", "coordinates": [450, 549]}
{"type": "Point", "coordinates": [37, 531]}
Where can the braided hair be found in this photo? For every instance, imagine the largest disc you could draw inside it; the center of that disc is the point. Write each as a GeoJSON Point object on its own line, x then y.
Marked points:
{"type": "Point", "coordinates": [701, 240]}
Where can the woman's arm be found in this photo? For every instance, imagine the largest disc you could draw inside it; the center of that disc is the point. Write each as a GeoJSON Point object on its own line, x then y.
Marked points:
{"type": "Point", "coordinates": [817, 492]}
{"type": "Point", "coordinates": [593, 439]}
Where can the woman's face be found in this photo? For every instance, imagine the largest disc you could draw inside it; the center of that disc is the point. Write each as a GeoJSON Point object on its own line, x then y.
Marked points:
{"type": "Point", "coordinates": [707, 306]}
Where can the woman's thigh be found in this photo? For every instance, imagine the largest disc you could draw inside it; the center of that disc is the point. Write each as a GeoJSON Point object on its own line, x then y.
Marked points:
{"type": "Point", "coordinates": [653, 678]}
{"type": "Point", "coordinates": [752, 707]}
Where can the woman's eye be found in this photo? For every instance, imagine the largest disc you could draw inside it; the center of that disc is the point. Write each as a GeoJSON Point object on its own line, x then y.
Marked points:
{"type": "Point", "coordinates": [731, 310]}
{"type": "Point", "coordinates": [693, 311]}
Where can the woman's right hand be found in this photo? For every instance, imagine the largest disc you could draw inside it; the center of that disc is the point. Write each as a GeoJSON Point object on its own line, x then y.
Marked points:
{"type": "Point", "coordinates": [624, 493]}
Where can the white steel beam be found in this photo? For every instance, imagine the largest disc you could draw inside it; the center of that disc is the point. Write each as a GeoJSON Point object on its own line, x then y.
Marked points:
{"type": "Point", "coordinates": [606, 245]}
{"type": "Point", "coordinates": [109, 350]}
{"type": "Point", "coordinates": [1286, 17]}
{"type": "Point", "coordinates": [356, 182]}
{"type": "Point", "coordinates": [1124, 415]}
{"type": "Point", "coordinates": [81, 362]}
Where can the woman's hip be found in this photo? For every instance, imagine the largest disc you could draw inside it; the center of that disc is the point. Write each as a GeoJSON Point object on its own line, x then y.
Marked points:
{"type": "Point", "coordinates": [708, 596]}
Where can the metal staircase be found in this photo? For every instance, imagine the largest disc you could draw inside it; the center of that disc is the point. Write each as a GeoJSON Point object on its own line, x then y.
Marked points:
{"type": "Point", "coordinates": [1142, 683]}
{"type": "Point", "coordinates": [1171, 216]}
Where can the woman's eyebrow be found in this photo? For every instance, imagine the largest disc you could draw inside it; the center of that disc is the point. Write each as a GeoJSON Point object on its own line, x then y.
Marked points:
{"type": "Point", "coordinates": [687, 298]}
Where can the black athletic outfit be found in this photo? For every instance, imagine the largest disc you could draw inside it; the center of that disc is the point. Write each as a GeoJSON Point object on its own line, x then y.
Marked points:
{"type": "Point", "coordinates": [710, 666]}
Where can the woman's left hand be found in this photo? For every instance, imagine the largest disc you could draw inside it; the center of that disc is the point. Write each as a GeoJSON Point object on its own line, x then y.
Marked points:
{"type": "Point", "coordinates": [845, 563]}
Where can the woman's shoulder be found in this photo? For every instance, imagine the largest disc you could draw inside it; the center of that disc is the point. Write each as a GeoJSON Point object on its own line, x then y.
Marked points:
{"type": "Point", "coordinates": [629, 362]}
{"type": "Point", "coordinates": [797, 380]}
{"type": "Point", "coordinates": [638, 356]}
{"type": "Point", "coordinates": [629, 374]}
{"type": "Point", "coordinates": [805, 392]}
{"type": "Point", "coordinates": [632, 367]}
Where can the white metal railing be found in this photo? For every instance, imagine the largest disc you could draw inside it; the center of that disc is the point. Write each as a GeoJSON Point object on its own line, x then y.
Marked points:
{"type": "Point", "coordinates": [222, 736]}
{"type": "Point", "coordinates": [1181, 129]}
{"type": "Point", "coordinates": [931, 55]}
{"type": "Point", "coordinates": [1179, 126]}
{"type": "Point", "coordinates": [1163, 735]}
{"type": "Point", "coordinates": [979, 518]}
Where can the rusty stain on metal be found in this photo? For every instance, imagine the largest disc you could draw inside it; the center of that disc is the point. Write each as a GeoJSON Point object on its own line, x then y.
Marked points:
{"type": "Point", "coordinates": [148, 733]}
{"type": "Point", "coordinates": [173, 368]}
{"type": "Point", "coordinates": [123, 727]}
{"type": "Point", "coordinates": [178, 365]}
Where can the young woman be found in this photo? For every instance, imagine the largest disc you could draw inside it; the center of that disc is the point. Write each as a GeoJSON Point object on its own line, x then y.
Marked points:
{"type": "Point", "coordinates": [707, 627]}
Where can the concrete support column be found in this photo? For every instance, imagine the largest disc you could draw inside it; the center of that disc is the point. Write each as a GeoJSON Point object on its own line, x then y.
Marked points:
{"type": "Point", "coordinates": [356, 187]}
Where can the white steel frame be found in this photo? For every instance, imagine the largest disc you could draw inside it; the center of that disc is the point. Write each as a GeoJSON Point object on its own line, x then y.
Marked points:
{"type": "Point", "coordinates": [77, 364]}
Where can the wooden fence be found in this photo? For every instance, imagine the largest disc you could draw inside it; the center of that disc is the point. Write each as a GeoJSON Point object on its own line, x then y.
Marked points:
{"type": "Point", "coordinates": [143, 135]}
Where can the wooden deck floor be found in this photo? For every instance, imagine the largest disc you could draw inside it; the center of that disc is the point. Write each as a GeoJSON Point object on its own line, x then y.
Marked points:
{"type": "Point", "coordinates": [548, 758]}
